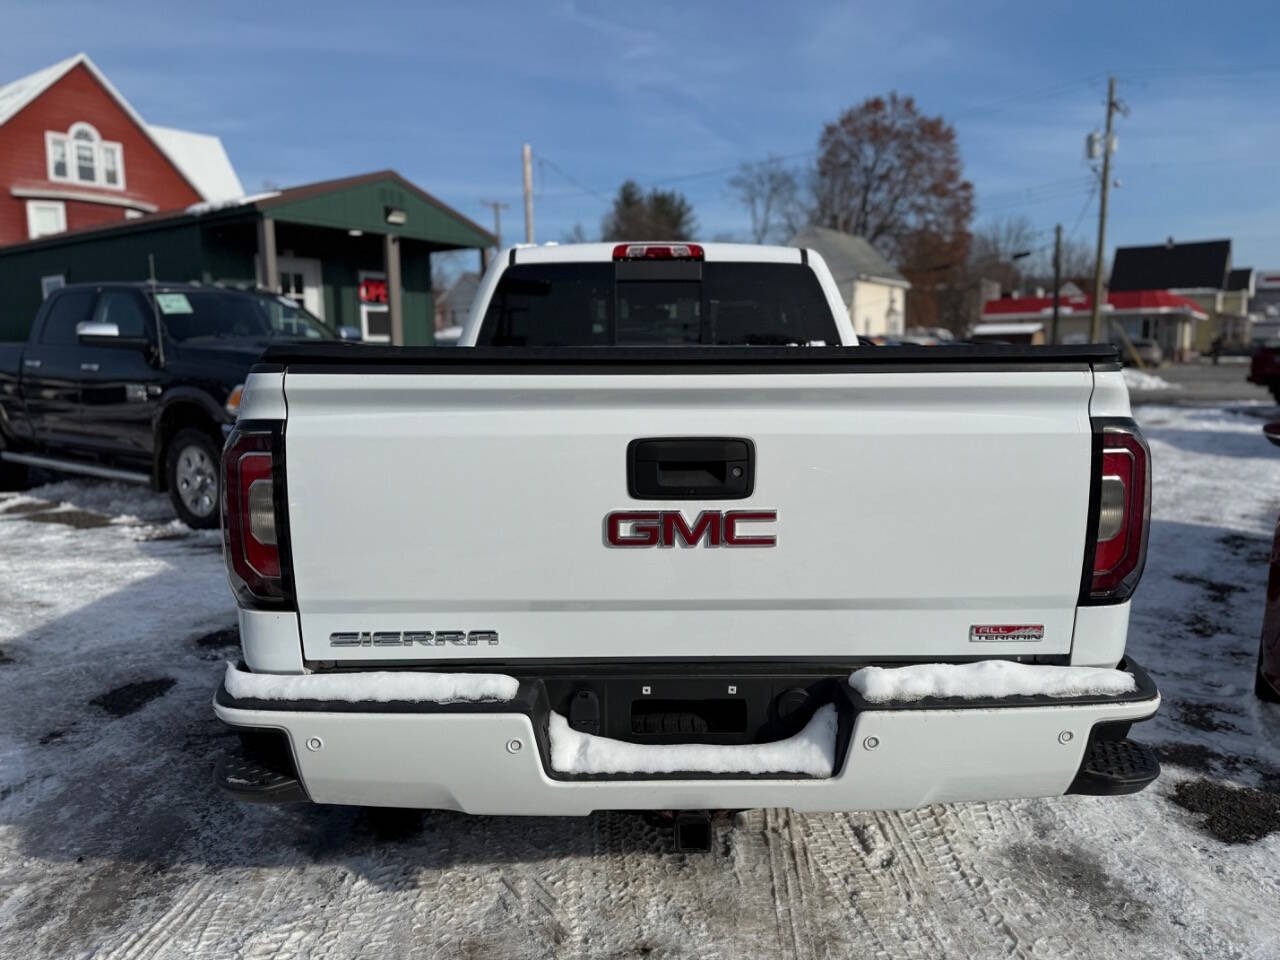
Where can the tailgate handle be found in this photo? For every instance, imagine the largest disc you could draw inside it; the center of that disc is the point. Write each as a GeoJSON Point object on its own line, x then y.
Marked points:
{"type": "Point", "coordinates": [691, 468]}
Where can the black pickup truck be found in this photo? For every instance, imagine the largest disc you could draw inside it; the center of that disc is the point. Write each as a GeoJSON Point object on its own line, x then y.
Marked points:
{"type": "Point", "coordinates": [139, 382]}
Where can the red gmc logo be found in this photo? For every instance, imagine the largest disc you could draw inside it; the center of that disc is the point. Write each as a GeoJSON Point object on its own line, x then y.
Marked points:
{"type": "Point", "coordinates": [668, 528]}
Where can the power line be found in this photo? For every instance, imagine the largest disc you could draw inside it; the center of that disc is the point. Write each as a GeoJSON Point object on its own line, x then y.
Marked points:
{"type": "Point", "coordinates": [572, 179]}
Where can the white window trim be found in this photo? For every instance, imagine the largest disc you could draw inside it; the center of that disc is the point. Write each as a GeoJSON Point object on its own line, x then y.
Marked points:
{"type": "Point", "coordinates": [50, 283]}
{"type": "Point", "coordinates": [50, 138]}
{"type": "Point", "coordinates": [102, 166]}
{"type": "Point", "coordinates": [97, 144]}
{"type": "Point", "coordinates": [365, 310]}
{"type": "Point", "coordinates": [34, 205]}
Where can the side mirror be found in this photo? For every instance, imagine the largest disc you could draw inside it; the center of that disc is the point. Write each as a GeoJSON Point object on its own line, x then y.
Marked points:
{"type": "Point", "coordinates": [91, 328]}
{"type": "Point", "coordinates": [348, 333]}
{"type": "Point", "coordinates": [1272, 432]}
{"type": "Point", "coordinates": [91, 333]}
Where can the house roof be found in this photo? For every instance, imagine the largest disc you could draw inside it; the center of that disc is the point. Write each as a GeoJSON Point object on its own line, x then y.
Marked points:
{"type": "Point", "coordinates": [203, 159]}
{"type": "Point", "coordinates": [463, 291]}
{"type": "Point", "coordinates": [1118, 301]}
{"type": "Point", "coordinates": [1240, 279]}
{"type": "Point", "coordinates": [199, 157]}
{"type": "Point", "coordinates": [849, 257]}
{"type": "Point", "coordinates": [1177, 266]}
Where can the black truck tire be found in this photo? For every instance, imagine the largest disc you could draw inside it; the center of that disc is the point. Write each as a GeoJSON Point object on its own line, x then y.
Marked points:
{"type": "Point", "coordinates": [1274, 387]}
{"type": "Point", "coordinates": [191, 465]}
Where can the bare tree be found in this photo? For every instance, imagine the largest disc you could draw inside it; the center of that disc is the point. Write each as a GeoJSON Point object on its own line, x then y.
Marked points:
{"type": "Point", "coordinates": [1003, 251]}
{"type": "Point", "coordinates": [1077, 265]}
{"type": "Point", "coordinates": [887, 172]}
{"type": "Point", "coordinates": [769, 191]}
{"type": "Point", "coordinates": [890, 174]}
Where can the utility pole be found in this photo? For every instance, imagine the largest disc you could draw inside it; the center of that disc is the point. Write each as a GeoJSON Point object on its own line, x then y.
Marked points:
{"type": "Point", "coordinates": [1057, 279]}
{"type": "Point", "coordinates": [497, 218]}
{"type": "Point", "coordinates": [1095, 323]}
{"type": "Point", "coordinates": [528, 193]}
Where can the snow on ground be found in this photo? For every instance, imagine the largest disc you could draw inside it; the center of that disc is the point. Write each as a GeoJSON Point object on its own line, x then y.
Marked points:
{"type": "Point", "coordinates": [1136, 379]}
{"type": "Point", "coordinates": [115, 624]}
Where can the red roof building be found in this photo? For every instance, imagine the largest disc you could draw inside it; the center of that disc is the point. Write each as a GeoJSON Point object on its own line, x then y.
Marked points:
{"type": "Point", "coordinates": [1167, 318]}
{"type": "Point", "coordinates": [74, 153]}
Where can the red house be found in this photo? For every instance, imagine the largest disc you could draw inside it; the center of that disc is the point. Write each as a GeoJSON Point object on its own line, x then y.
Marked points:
{"type": "Point", "coordinates": [74, 153]}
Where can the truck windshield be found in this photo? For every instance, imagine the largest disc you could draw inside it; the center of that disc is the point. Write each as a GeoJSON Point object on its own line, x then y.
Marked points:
{"type": "Point", "coordinates": [596, 304]}
{"type": "Point", "coordinates": [231, 314]}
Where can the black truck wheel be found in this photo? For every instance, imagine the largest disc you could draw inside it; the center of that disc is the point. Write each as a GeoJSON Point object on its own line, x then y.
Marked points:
{"type": "Point", "coordinates": [191, 471]}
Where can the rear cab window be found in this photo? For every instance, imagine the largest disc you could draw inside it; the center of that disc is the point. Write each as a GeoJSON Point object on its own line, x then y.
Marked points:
{"type": "Point", "coordinates": [658, 304]}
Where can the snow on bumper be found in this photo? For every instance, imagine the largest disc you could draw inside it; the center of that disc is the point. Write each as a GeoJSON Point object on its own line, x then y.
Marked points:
{"type": "Point", "coordinates": [495, 758]}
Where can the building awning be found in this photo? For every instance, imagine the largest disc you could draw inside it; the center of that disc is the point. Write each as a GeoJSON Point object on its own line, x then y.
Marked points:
{"type": "Point", "coordinates": [1118, 302]}
{"type": "Point", "coordinates": [1006, 329]}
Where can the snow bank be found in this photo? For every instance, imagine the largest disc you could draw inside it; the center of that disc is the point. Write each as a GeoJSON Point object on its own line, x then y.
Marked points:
{"type": "Point", "coordinates": [811, 751]}
{"type": "Point", "coordinates": [379, 686]}
{"type": "Point", "coordinates": [990, 678]}
{"type": "Point", "coordinates": [1137, 380]}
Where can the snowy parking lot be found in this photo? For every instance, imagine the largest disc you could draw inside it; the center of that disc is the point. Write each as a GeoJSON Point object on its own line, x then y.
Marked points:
{"type": "Point", "coordinates": [115, 622]}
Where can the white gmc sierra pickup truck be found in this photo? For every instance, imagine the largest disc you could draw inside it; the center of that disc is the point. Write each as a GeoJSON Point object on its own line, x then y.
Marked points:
{"type": "Point", "coordinates": [662, 536]}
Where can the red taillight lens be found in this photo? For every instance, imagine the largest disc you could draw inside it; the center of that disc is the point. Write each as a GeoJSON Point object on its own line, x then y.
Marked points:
{"type": "Point", "coordinates": [250, 528]}
{"type": "Point", "coordinates": [1119, 527]}
{"type": "Point", "coordinates": [657, 251]}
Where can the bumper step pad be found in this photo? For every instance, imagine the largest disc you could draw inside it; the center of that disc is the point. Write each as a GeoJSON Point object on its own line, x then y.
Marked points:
{"type": "Point", "coordinates": [251, 781]}
{"type": "Point", "coordinates": [1114, 767]}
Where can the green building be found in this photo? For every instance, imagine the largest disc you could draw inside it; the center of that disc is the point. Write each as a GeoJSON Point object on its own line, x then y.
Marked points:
{"type": "Point", "coordinates": [355, 251]}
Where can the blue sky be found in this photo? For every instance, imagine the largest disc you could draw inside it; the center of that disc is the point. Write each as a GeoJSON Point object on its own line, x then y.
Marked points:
{"type": "Point", "coordinates": [671, 93]}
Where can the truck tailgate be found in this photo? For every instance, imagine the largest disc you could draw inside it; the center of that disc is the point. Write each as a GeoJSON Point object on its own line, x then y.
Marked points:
{"type": "Point", "coordinates": [913, 506]}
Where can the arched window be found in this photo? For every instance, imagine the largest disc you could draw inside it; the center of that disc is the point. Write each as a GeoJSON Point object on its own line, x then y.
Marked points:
{"type": "Point", "coordinates": [81, 156]}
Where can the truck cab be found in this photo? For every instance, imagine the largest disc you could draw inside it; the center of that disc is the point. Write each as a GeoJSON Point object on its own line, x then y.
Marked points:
{"type": "Point", "coordinates": [139, 382]}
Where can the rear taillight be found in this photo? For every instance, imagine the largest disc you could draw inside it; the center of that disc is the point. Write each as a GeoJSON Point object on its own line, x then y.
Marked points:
{"type": "Point", "coordinates": [657, 251]}
{"type": "Point", "coordinates": [1120, 514]}
{"type": "Point", "coordinates": [253, 518]}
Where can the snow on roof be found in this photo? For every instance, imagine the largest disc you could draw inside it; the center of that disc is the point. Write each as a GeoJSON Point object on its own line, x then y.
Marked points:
{"type": "Point", "coordinates": [1005, 329]}
{"type": "Point", "coordinates": [199, 157]}
{"type": "Point", "coordinates": [208, 206]}
{"type": "Point", "coordinates": [202, 159]}
{"type": "Point", "coordinates": [18, 93]}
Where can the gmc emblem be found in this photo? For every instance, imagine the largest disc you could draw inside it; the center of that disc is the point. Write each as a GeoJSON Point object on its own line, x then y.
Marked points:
{"type": "Point", "coordinates": [668, 528]}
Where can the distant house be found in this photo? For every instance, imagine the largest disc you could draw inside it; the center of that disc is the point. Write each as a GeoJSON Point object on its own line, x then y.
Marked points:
{"type": "Point", "coordinates": [1199, 271]}
{"type": "Point", "coordinates": [1264, 306]}
{"type": "Point", "coordinates": [874, 292]}
{"type": "Point", "coordinates": [1158, 315]}
{"type": "Point", "coordinates": [74, 154]}
{"type": "Point", "coordinates": [455, 303]}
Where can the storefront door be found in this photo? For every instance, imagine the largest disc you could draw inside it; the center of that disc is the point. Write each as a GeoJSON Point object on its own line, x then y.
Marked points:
{"type": "Point", "coordinates": [300, 281]}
